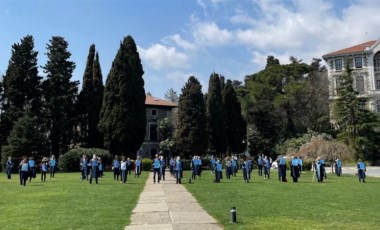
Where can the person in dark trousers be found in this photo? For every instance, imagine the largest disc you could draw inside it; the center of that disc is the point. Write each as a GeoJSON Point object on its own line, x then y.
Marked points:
{"type": "Point", "coordinates": [228, 168]}
{"type": "Point", "coordinates": [245, 169]}
{"type": "Point", "coordinates": [319, 170]}
{"type": "Point", "coordinates": [267, 164]}
{"type": "Point", "coordinates": [338, 166]}
{"type": "Point", "coordinates": [101, 167]}
{"type": "Point", "coordinates": [162, 167]}
{"type": "Point", "coordinates": [138, 167]}
{"type": "Point", "coordinates": [24, 170]}
{"type": "Point", "coordinates": [9, 166]}
{"type": "Point", "coordinates": [83, 167]}
{"type": "Point", "coordinates": [156, 169]}
{"type": "Point", "coordinates": [194, 168]}
{"type": "Point", "coordinates": [32, 168]}
{"type": "Point", "coordinates": [260, 165]}
{"type": "Point", "coordinates": [44, 169]}
{"type": "Point", "coordinates": [282, 167]}
{"type": "Point", "coordinates": [219, 171]}
{"type": "Point", "coordinates": [323, 167]}
{"type": "Point", "coordinates": [129, 166]}
{"type": "Point", "coordinates": [178, 170]}
{"type": "Point", "coordinates": [123, 170]}
{"type": "Point", "coordinates": [94, 169]}
{"type": "Point", "coordinates": [116, 168]}
{"type": "Point", "coordinates": [294, 167]}
{"type": "Point", "coordinates": [53, 165]}
{"type": "Point", "coordinates": [234, 165]}
{"type": "Point", "coordinates": [172, 165]}
{"type": "Point", "coordinates": [199, 166]}
{"type": "Point", "coordinates": [213, 164]}
{"type": "Point", "coordinates": [361, 171]}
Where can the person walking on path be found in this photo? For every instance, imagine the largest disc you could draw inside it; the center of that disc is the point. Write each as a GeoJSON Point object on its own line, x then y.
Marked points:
{"type": "Point", "coordinates": [156, 169]}
{"type": "Point", "coordinates": [338, 166]}
{"type": "Point", "coordinates": [9, 167]}
{"type": "Point", "coordinates": [162, 167]}
{"type": "Point", "coordinates": [361, 171]}
{"type": "Point", "coordinates": [138, 167]}
{"type": "Point", "coordinates": [178, 170]}
{"type": "Point", "coordinates": [171, 166]}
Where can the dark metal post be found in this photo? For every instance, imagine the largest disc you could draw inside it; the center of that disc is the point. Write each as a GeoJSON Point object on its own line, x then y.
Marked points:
{"type": "Point", "coordinates": [233, 215]}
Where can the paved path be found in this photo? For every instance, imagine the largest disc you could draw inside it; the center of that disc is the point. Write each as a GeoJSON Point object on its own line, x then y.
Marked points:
{"type": "Point", "coordinates": [167, 205]}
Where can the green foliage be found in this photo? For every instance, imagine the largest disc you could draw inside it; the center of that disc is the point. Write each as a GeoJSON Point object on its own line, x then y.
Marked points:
{"type": "Point", "coordinates": [147, 164]}
{"type": "Point", "coordinates": [215, 112]}
{"type": "Point", "coordinates": [191, 136]}
{"type": "Point", "coordinates": [69, 162]}
{"type": "Point", "coordinates": [165, 129]}
{"type": "Point", "coordinates": [59, 93]}
{"type": "Point", "coordinates": [171, 95]}
{"type": "Point", "coordinates": [123, 118]}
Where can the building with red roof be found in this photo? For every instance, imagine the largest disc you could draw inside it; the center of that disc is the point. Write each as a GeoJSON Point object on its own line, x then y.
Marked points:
{"type": "Point", "coordinates": [364, 59]}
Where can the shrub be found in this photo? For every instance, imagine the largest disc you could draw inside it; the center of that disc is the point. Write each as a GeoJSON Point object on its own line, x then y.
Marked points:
{"type": "Point", "coordinates": [147, 164]}
{"type": "Point", "coordinates": [69, 162]}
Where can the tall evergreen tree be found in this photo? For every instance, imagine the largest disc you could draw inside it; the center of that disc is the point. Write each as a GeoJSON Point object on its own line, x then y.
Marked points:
{"type": "Point", "coordinates": [59, 94]}
{"type": "Point", "coordinates": [90, 102]}
{"type": "Point", "coordinates": [215, 113]}
{"type": "Point", "coordinates": [235, 127]}
{"type": "Point", "coordinates": [21, 86]}
{"type": "Point", "coordinates": [356, 124]}
{"type": "Point", "coordinates": [123, 118]}
{"type": "Point", "coordinates": [191, 135]}
{"type": "Point", "coordinates": [171, 95]}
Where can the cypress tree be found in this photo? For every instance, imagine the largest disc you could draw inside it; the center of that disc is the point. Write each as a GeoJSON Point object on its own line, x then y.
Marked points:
{"type": "Point", "coordinates": [21, 86]}
{"type": "Point", "coordinates": [96, 137]}
{"type": "Point", "coordinates": [215, 112]}
{"type": "Point", "coordinates": [235, 124]}
{"type": "Point", "coordinates": [123, 118]}
{"type": "Point", "coordinates": [59, 94]}
{"type": "Point", "coordinates": [191, 137]}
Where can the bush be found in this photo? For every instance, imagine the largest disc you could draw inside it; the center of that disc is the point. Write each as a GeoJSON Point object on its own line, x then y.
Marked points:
{"type": "Point", "coordinates": [147, 164]}
{"type": "Point", "coordinates": [70, 161]}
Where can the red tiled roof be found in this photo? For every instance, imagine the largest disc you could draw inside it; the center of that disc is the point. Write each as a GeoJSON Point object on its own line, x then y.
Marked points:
{"type": "Point", "coordinates": [352, 49]}
{"type": "Point", "coordinates": [149, 100]}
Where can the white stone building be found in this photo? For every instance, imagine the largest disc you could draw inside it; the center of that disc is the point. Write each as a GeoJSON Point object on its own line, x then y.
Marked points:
{"type": "Point", "coordinates": [365, 62]}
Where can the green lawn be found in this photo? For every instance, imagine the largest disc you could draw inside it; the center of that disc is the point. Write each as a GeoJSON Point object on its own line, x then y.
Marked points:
{"type": "Point", "coordinates": [64, 202]}
{"type": "Point", "coordinates": [338, 203]}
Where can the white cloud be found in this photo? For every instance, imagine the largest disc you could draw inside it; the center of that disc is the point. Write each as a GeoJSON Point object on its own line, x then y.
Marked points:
{"type": "Point", "coordinates": [179, 41]}
{"type": "Point", "coordinates": [209, 34]}
{"type": "Point", "coordinates": [160, 57]}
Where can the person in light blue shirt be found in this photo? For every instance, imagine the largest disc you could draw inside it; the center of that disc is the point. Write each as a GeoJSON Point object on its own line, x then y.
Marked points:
{"type": "Point", "coordinates": [123, 169]}
{"type": "Point", "coordinates": [319, 170]}
{"type": "Point", "coordinates": [53, 164]}
{"type": "Point", "coordinates": [100, 166]}
{"type": "Point", "coordinates": [138, 167]}
{"type": "Point", "coordinates": [44, 168]}
{"type": "Point", "coordinates": [178, 170]}
{"type": "Point", "coordinates": [171, 166]}
{"type": "Point", "coordinates": [24, 169]}
{"type": "Point", "coordinates": [260, 165]}
{"type": "Point", "coordinates": [83, 167]}
{"type": "Point", "coordinates": [267, 164]}
{"type": "Point", "coordinates": [194, 168]}
{"type": "Point", "coordinates": [245, 169]}
{"type": "Point", "coordinates": [116, 168]}
{"type": "Point", "coordinates": [338, 166]}
{"type": "Point", "coordinates": [32, 168]}
{"type": "Point", "coordinates": [294, 167]}
{"type": "Point", "coordinates": [282, 166]}
{"type": "Point", "coordinates": [156, 169]}
{"type": "Point", "coordinates": [234, 165]}
{"type": "Point", "coordinates": [219, 171]}
{"type": "Point", "coordinates": [361, 171]}
{"type": "Point", "coordinates": [9, 166]}
{"type": "Point", "coordinates": [94, 169]}
{"type": "Point", "coordinates": [300, 162]}
{"type": "Point", "coordinates": [213, 164]}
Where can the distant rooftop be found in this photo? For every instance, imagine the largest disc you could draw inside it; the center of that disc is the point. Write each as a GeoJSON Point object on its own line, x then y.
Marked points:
{"type": "Point", "coordinates": [353, 49]}
{"type": "Point", "coordinates": [150, 100]}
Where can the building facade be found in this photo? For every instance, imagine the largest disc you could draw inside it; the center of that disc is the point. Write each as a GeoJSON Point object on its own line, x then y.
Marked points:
{"type": "Point", "coordinates": [365, 62]}
{"type": "Point", "coordinates": [156, 110]}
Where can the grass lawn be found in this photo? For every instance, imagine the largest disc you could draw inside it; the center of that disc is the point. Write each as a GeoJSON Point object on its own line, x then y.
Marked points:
{"type": "Point", "coordinates": [64, 202]}
{"type": "Point", "coordinates": [338, 203]}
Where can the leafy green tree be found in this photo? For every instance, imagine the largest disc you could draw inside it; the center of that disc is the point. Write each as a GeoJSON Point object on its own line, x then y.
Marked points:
{"type": "Point", "coordinates": [21, 86]}
{"type": "Point", "coordinates": [191, 134]}
{"type": "Point", "coordinates": [90, 102]}
{"type": "Point", "coordinates": [356, 124]}
{"type": "Point", "coordinates": [235, 125]}
{"type": "Point", "coordinates": [171, 95]}
{"type": "Point", "coordinates": [215, 112]}
{"type": "Point", "coordinates": [26, 139]}
{"type": "Point", "coordinates": [60, 94]}
{"type": "Point", "coordinates": [165, 129]}
{"type": "Point", "coordinates": [123, 118]}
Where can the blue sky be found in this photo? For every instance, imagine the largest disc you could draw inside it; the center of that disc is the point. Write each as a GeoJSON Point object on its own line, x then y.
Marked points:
{"type": "Point", "coordinates": [179, 38]}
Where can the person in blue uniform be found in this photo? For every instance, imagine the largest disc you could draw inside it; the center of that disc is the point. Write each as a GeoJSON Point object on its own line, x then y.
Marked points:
{"type": "Point", "coordinates": [83, 167]}
{"type": "Point", "coordinates": [282, 166]}
{"type": "Point", "coordinates": [138, 167]}
{"type": "Point", "coordinates": [199, 166]}
{"type": "Point", "coordinates": [32, 168]}
{"type": "Point", "coordinates": [213, 164]}
{"type": "Point", "coordinates": [171, 166]}
{"type": "Point", "coordinates": [245, 169]}
{"type": "Point", "coordinates": [234, 165]}
{"type": "Point", "coordinates": [156, 169]}
{"type": "Point", "coordinates": [129, 166]}
{"type": "Point", "coordinates": [300, 163]}
{"type": "Point", "coordinates": [228, 168]}
{"type": "Point", "coordinates": [178, 170]}
{"type": "Point", "coordinates": [123, 170]}
{"type": "Point", "coordinates": [116, 168]}
{"type": "Point", "coordinates": [9, 166]}
{"type": "Point", "coordinates": [24, 170]}
{"type": "Point", "coordinates": [94, 169]}
{"type": "Point", "coordinates": [250, 167]}
{"type": "Point", "coordinates": [53, 164]}
{"type": "Point", "coordinates": [319, 170]}
{"type": "Point", "coordinates": [260, 165]}
{"type": "Point", "coordinates": [44, 169]}
{"type": "Point", "coordinates": [294, 167]}
{"type": "Point", "coordinates": [267, 164]}
{"type": "Point", "coordinates": [361, 171]}
{"type": "Point", "coordinates": [218, 173]}
{"type": "Point", "coordinates": [338, 166]}
{"type": "Point", "coordinates": [194, 168]}
{"type": "Point", "coordinates": [101, 167]}
{"type": "Point", "coordinates": [323, 167]}
{"type": "Point", "coordinates": [162, 167]}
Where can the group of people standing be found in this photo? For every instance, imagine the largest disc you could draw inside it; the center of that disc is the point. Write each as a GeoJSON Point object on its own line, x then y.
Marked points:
{"type": "Point", "coordinates": [159, 168]}
{"type": "Point", "coordinates": [28, 168]}
{"type": "Point", "coordinates": [91, 169]}
{"type": "Point", "coordinates": [124, 167]}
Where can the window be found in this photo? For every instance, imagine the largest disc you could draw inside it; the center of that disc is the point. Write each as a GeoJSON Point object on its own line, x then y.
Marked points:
{"type": "Point", "coordinates": [377, 84]}
{"type": "Point", "coordinates": [153, 112]}
{"type": "Point", "coordinates": [358, 62]}
{"type": "Point", "coordinates": [378, 106]}
{"type": "Point", "coordinates": [153, 132]}
{"type": "Point", "coordinates": [360, 84]}
{"type": "Point", "coordinates": [338, 64]}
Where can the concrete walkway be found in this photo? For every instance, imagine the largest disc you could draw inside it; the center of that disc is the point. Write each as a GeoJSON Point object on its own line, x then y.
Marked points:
{"type": "Point", "coordinates": [167, 205]}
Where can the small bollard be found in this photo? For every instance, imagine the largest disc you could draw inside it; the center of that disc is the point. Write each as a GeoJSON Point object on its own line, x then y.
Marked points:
{"type": "Point", "coordinates": [233, 215]}
{"type": "Point", "coordinates": [189, 180]}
